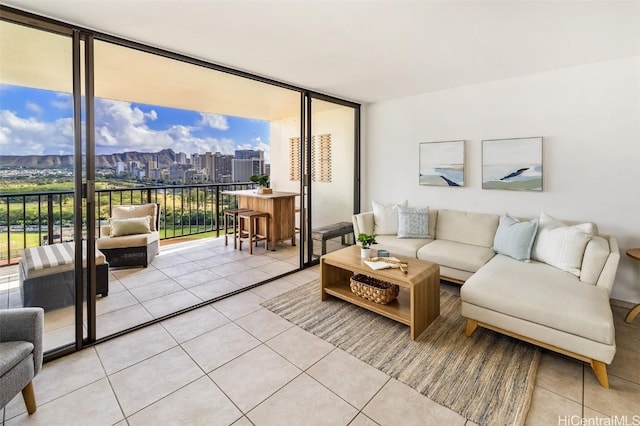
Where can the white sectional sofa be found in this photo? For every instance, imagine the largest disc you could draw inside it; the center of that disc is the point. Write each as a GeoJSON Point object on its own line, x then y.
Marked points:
{"type": "Point", "coordinates": [568, 312]}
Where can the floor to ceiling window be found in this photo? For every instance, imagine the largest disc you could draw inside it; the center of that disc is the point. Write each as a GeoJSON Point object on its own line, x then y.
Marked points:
{"type": "Point", "coordinates": [154, 127]}
{"type": "Point", "coordinates": [37, 179]}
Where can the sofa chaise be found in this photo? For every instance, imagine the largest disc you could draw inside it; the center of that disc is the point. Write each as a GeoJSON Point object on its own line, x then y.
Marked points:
{"type": "Point", "coordinates": [566, 311]}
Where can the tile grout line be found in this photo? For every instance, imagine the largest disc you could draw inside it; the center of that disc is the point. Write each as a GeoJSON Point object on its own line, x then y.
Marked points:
{"type": "Point", "coordinates": [115, 395]}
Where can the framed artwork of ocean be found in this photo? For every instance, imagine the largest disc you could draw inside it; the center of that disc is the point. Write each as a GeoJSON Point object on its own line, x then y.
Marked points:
{"type": "Point", "coordinates": [442, 163]}
{"type": "Point", "coordinates": [514, 164]}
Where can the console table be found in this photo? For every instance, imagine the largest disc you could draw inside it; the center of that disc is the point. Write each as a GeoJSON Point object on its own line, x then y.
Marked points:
{"type": "Point", "coordinates": [633, 253]}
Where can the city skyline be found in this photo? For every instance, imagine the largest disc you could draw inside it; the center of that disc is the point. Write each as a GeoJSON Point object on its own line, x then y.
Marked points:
{"type": "Point", "coordinates": [39, 122]}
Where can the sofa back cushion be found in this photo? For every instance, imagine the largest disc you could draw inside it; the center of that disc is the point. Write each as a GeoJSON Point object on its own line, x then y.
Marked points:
{"type": "Point", "coordinates": [595, 256]}
{"type": "Point", "coordinates": [386, 217]}
{"type": "Point", "coordinates": [478, 229]}
{"type": "Point", "coordinates": [142, 210]}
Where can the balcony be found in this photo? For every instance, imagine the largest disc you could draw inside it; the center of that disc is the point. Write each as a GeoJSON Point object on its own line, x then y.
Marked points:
{"type": "Point", "coordinates": [194, 265]}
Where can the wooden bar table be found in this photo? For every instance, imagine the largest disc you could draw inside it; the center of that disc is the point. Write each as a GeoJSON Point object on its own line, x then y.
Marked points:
{"type": "Point", "coordinates": [281, 207]}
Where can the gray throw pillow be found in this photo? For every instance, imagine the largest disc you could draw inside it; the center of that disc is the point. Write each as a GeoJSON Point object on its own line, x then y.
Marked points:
{"type": "Point", "coordinates": [413, 222]}
{"type": "Point", "coordinates": [514, 238]}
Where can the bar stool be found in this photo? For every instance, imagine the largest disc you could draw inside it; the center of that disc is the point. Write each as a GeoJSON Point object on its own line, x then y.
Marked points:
{"type": "Point", "coordinates": [232, 214]}
{"type": "Point", "coordinates": [251, 231]}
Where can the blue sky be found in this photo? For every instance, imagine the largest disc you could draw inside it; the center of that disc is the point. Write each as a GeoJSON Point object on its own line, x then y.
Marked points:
{"type": "Point", "coordinates": [39, 122]}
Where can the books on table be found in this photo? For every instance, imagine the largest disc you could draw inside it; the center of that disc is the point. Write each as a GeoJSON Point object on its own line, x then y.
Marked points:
{"type": "Point", "coordinates": [381, 264]}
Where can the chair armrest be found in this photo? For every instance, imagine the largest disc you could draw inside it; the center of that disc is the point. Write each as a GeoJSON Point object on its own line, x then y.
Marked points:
{"type": "Point", "coordinates": [608, 274]}
{"type": "Point", "coordinates": [105, 230]}
{"type": "Point", "coordinates": [24, 324]}
{"type": "Point", "coordinates": [363, 223]}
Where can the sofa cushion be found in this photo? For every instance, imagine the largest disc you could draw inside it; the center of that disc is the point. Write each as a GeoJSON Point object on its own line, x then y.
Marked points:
{"type": "Point", "coordinates": [141, 210]}
{"type": "Point", "coordinates": [138, 240]}
{"type": "Point", "coordinates": [385, 217]}
{"type": "Point", "coordinates": [54, 258]}
{"type": "Point", "coordinates": [129, 226]}
{"type": "Point", "coordinates": [542, 294]}
{"type": "Point", "coordinates": [560, 245]}
{"type": "Point", "coordinates": [413, 222]}
{"type": "Point", "coordinates": [400, 246]}
{"type": "Point", "coordinates": [595, 257]}
{"type": "Point", "coordinates": [465, 257]}
{"type": "Point", "coordinates": [514, 238]}
{"type": "Point", "coordinates": [478, 229]}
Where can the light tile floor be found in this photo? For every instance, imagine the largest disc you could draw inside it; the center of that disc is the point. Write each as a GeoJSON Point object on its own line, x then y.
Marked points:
{"type": "Point", "coordinates": [182, 275]}
{"type": "Point", "coordinates": [233, 362]}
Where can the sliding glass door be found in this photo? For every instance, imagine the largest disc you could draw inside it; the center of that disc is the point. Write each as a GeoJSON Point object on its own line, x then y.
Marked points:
{"type": "Point", "coordinates": [43, 231]}
{"type": "Point", "coordinates": [90, 123]}
{"type": "Point", "coordinates": [332, 171]}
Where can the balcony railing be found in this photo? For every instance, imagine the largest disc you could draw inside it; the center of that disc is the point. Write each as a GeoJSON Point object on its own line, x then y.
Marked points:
{"type": "Point", "coordinates": [39, 218]}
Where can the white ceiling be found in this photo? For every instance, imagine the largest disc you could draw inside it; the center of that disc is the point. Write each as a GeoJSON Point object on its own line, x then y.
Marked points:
{"type": "Point", "coordinates": [368, 51]}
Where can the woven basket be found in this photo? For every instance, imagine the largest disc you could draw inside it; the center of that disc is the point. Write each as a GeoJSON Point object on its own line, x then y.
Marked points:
{"type": "Point", "coordinates": [373, 289]}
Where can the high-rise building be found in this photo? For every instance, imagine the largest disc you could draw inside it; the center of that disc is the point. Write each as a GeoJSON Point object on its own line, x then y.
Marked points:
{"type": "Point", "coordinates": [196, 161]}
{"type": "Point", "coordinates": [150, 165]}
{"type": "Point", "coordinates": [222, 168]}
{"type": "Point", "coordinates": [208, 165]}
{"type": "Point", "coordinates": [251, 154]}
{"type": "Point", "coordinates": [244, 169]}
{"type": "Point", "coordinates": [181, 158]}
{"type": "Point", "coordinates": [120, 168]}
{"type": "Point", "coordinates": [176, 171]}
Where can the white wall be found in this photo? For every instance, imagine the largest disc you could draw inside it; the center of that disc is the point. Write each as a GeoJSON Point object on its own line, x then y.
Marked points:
{"type": "Point", "coordinates": [332, 201]}
{"type": "Point", "coordinates": [589, 117]}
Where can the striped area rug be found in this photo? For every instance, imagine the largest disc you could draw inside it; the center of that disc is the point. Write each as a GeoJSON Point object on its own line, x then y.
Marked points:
{"type": "Point", "coordinates": [487, 378]}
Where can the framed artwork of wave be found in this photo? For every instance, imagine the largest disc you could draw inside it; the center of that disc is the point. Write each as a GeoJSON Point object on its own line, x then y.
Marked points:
{"type": "Point", "coordinates": [514, 164]}
{"type": "Point", "coordinates": [442, 163]}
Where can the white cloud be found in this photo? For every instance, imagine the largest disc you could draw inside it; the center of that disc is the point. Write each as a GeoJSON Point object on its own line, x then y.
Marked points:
{"type": "Point", "coordinates": [120, 127]}
{"type": "Point", "coordinates": [123, 127]}
{"type": "Point", "coordinates": [63, 101]}
{"type": "Point", "coordinates": [30, 136]}
{"type": "Point", "coordinates": [215, 121]}
{"type": "Point", "coordinates": [34, 107]}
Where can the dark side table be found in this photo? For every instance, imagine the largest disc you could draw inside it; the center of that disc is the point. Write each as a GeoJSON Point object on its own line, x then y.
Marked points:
{"type": "Point", "coordinates": [633, 253]}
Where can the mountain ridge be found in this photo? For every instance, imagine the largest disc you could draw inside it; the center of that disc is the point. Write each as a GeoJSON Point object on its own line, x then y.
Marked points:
{"type": "Point", "coordinates": [164, 157]}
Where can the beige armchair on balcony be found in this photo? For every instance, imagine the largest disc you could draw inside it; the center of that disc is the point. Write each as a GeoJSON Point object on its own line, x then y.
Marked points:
{"type": "Point", "coordinates": [131, 238]}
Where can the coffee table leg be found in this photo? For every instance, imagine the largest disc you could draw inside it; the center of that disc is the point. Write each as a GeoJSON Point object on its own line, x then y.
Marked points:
{"type": "Point", "coordinates": [425, 304]}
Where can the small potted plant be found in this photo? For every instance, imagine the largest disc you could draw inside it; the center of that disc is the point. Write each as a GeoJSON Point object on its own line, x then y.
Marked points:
{"type": "Point", "coordinates": [263, 183]}
{"type": "Point", "coordinates": [366, 240]}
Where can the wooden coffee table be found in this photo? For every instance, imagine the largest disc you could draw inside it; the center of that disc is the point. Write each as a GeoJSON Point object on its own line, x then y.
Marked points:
{"type": "Point", "coordinates": [418, 303]}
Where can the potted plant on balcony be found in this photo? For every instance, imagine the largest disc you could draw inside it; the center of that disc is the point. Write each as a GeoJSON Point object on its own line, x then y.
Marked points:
{"type": "Point", "coordinates": [366, 240]}
{"type": "Point", "coordinates": [263, 183]}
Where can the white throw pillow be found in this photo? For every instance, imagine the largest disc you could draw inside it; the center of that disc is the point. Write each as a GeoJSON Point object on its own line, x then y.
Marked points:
{"type": "Point", "coordinates": [129, 226]}
{"type": "Point", "coordinates": [385, 217]}
{"type": "Point", "coordinates": [560, 245]}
